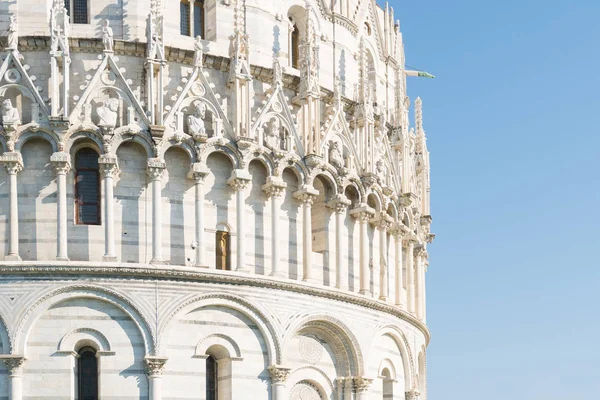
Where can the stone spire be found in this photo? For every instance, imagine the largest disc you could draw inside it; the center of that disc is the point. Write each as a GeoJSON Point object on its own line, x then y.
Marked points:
{"type": "Point", "coordinates": [309, 62]}
{"type": "Point", "coordinates": [239, 50]}
{"type": "Point", "coordinates": [156, 44]}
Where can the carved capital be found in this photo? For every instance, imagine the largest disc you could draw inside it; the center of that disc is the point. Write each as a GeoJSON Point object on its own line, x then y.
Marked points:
{"type": "Point", "coordinates": [13, 162]}
{"type": "Point", "coordinates": [279, 374]}
{"type": "Point", "coordinates": [61, 162]}
{"type": "Point", "coordinates": [369, 179]}
{"type": "Point", "coordinates": [13, 363]}
{"type": "Point", "coordinates": [240, 179]}
{"type": "Point", "coordinates": [155, 365]}
{"type": "Point", "coordinates": [306, 195]}
{"type": "Point", "coordinates": [198, 172]}
{"type": "Point", "coordinates": [155, 168]}
{"type": "Point", "coordinates": [361, 383]}
{"type": "Point", "coordinates": [274, 187]}
{"type": "Point", "coordinates": [412, 395]}
{"type": "Point", "coordinates": [108, 166]}
{"type": "Point", "coordinates": [362, 214]}
{"type": "Point", "coordinates": [339, 204]}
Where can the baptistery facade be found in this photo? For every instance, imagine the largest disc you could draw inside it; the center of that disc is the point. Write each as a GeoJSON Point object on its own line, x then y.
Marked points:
{"type": "Point", "coordinates": [210, 199]}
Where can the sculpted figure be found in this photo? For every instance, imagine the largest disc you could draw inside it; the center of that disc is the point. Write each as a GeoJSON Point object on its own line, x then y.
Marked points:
{"type": "Point", "coordinates": [272, 134]}
{"type": "Point", "coordinates": [198, 51]}
{"type": "Point", "coordinates": [13, 37]}
{"type": "Point", "coordinates": [196, 120]}
{"type": "Point", "coordinates": [107, 37]}
{"type": "Point", "coordinates": [10, 115]}
{"type": "Point", "coordinates": [335, 156]}
{"type": "Point", "coordinates": [107, 113]}
{"type": "Point", "coordinates": [380, 169]}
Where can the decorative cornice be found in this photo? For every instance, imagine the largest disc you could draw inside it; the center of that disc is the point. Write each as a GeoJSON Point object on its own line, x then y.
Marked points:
{"type": "Point", "coordinates": [180, 273]}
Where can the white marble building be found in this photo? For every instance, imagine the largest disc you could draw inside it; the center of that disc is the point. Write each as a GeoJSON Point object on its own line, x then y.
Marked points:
{"type": "Point", "coordinates": [241, 215]}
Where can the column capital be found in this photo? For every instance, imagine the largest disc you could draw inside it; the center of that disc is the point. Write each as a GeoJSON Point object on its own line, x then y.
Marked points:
{"type": "Point", "coordinates": [382, 221]}
{"type": "Point", "coordinates": [198, 172]}
{"type": "Point", "coordinates": [362, 213]}
{"type": "Point", "coordinates": [13, 162]}
{"type": "Point", "coordinates": [339, 204]}
{"type": "Point", "coordinates": [412, 394]}
{"type": "Point", "coordinates": [361, 383]}
{"type": "Point", "coordinates": [279, 374]}
{"type": "Point", "coordinates": [61, 162]}
{"type": "Point", "coordinates": [155, 365]}
{"type": "Point", "coordinates": [421, 251]}
{"type": "Point", "coordinates": [307, 194]}
{"type": "Point", "coordinates": [239, 180]}
{"type": "Point", "coordinates": [108, 165]}
{"type": "Point", "coordinates": [155, 168]}
{"type": "Point", "coordinates": [274, 187]}
{"type": "Point", "coordinates": [14, 363]}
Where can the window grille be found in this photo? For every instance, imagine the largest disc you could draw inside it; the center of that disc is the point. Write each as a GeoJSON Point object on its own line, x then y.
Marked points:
{"type": "Point", "coordinates": [87, 187]}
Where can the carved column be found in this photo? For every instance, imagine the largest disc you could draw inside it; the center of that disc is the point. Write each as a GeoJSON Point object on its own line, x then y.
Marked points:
{"type": "Point", "coordinates": [279, 376]}
{"type": "Point", "coordinates": [420, 255]}
{"type": "Point", "coordinates": [198, 173]}
{"type": "Point", "coordinates": [14, 164]}
{"type": "Point", "coordinates": [410, 275]}
{"type": "Point", "coordinates": [274, 189]}
{"type": "Point", "coordinates": [400, 297]}
{"type": "Point", "coordinates": [348, 388]}
{"type": "Point", "coordinates": [155, 171]}
{"type": "Point", "coordinates": [307, 196]}
{"type": "Point", "coordinates": [14, 364]}
{"type": "Point", "coordinates": [62, 165]}
{"type": "Point", "coordinates": [382, 223]}
{"type": "Point", "coordinates": [361, 386]}
{"type": "Point", "coordinates": [154, 369]}
{"type": "Point", "coordinates": [239, 181]}
{"type": "Point", "coordinates": [109, 170]}
{"type": "Point", "coordinates": [362, 215]}
{"type": "Point", "coordinates": [339, 206]}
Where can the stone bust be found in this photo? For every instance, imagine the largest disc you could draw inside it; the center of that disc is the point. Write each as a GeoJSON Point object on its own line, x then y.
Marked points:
{"type": "Point", "coordinates": [196, 120]}
{"type": "Point", "coordinates": [107, 113]}
{"type": "Point", "coordinates": [10, 115]}
{"type": "Point", "coordinates": [335, 155]}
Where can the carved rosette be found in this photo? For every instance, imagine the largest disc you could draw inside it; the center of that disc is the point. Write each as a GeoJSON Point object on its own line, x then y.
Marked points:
{"type": "Point", "coordinates": [155, 365]}
{"type": "Point", "coordinates": [14, 364]}
{"type": "Point", "coordinates": [13, 162]}
{"type": "Point", "coordinates": [361, 383]}
{"type": "Point", "coordinates": [279, 374]}
{"type": "Point", "coordinates": [155, 168]}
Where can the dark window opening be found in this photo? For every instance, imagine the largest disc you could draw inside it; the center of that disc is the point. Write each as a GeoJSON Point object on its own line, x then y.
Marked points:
{"type": "Point", "coordinates": [87, 379]}
{"type": "Point", "coordinates": [223, 251]}
{"type": "Point", "coordinates": [199, 19]}
{"type": "Point", "coordinates": [78, 11]}
{"type": "Point", "coordinates": [212, 379]}
{"type": "Point", "coordinates": [295, 47]}
{"type": "Point", "coordinates": [184, 18]}
{"type": "Point", "coordinates": [87, 187]}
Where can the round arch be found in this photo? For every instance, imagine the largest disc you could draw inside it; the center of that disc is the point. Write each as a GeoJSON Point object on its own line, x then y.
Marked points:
{"type": "Point", "coordinates": [315, 377]}
{"type": "Point", "coordinates": [130, 136]}
{"type": "Point", "coordinates": [405, 354]}
{"type": "Point", "coordinates": [28, 134]}
{"type": "Point", "coordinates": [5, 337]}
{"type": "Point", "coordinates": [333, 328]}
{"type": "Point", "coordinates": [82, 135]}
{"type": "Point", "coordinates": [251, 311]}
{"type": "Point", "coordinates": [28, 317]}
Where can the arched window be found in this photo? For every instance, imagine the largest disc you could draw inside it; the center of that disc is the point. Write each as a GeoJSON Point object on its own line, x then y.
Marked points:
{"type": "Point", "coordinates": [295, 47]}
{"type": "Point", "coordinates": [87, 187]}
{"type": "Point", "coordinates": [388, 384]}
{"type": "Point", "coordinates": [191, 18]}
{"type": "Point", "coordinates": [87, 374]}
{"type": "Point", "coordinates": [223, 261]}
{"type": "Point", "coordinates": [78, 11]}
{"type": "Point", "coordinates": [212, 379]}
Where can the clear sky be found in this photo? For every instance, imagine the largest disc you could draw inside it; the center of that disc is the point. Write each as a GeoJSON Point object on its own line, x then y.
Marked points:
{"type": "Point", "coordinates": [512, 121]}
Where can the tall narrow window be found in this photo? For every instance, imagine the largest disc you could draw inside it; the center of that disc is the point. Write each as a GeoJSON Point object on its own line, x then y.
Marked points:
{"type": "Point", "coordinates": [222, 244]}
{"type": "Point", "coordinates": [87, 376]}
{"type": "Point", "coordinates": [191, 21]}
{"type": "Point", "coordinates": [184, 18]}
{"type": "Point", "coordinates": [78, 11]}
{"type": "Point", "coordinates": [295, 44]}
{"type": "Point", "coordinates": [212, 379]}
{"type": "Point", "coordinates": [87, 187]}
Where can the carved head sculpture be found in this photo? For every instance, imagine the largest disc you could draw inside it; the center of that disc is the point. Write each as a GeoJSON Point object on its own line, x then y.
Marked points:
{"type": "Point", "coordinates": [6, 105]}
{"type": "Point", "coordinates": [199, 109]}
{"type": "Point", "coordinates": [112, 104]}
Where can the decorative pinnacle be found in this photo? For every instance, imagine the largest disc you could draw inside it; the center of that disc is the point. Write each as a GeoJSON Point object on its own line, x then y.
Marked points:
{"type": "Point", "coordinates": [419, 114]}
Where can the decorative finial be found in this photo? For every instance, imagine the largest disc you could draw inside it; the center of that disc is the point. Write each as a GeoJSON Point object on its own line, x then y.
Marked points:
{"type": "Point", "coordinates": [13, 34]}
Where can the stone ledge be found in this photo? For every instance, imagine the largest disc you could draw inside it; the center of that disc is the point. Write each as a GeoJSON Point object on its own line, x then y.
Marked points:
{"type": "Point", "coordinates": [113, 270]}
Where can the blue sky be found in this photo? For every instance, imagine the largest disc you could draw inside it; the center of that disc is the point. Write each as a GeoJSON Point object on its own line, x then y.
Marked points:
{"type": "Point", "coordinates": [512, 122]}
